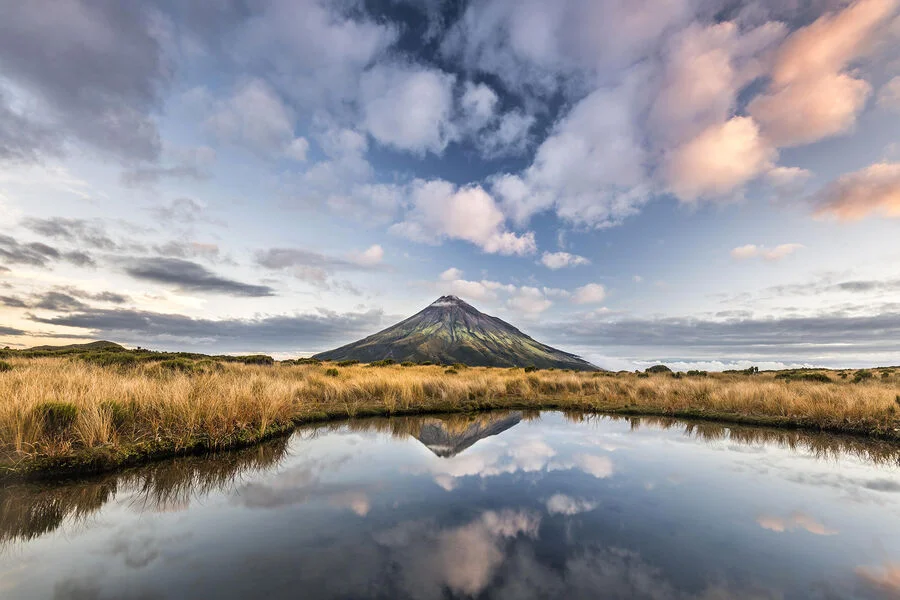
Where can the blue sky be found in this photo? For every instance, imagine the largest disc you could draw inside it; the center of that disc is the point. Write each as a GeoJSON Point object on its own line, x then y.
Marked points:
{"type": "Point", "coordinates": [702, 183]}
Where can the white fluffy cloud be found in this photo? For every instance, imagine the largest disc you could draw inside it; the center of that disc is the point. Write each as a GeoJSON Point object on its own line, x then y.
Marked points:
{"type": "Point", "coordinates": [754, 251]}
{"type": "Point", "coordinates": [256, 116]}
{"type": "Point", "coordinates": [441, 210]}
{"type": "Point", "coordinates": [408, 107]}
{"type": "Point", "coordinates": [526, 301]}
{"type": "Point", "coordinates": [873, 190]}
{"type": "Point", "coordinates": [560, 260]}
{"type": "Point", "coordinates": [369, 257]}
{"type": "Point", "coordinates": [590, 169]}
{"type": "Point", "coordinates": [529, 301]}
{"type": "Point", "coordinates": [591, 293]}
{"type": "Point", "coordinates": [478, 104]}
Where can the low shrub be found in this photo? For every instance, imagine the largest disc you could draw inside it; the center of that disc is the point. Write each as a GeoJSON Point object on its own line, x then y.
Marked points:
{"type": "Point", "coordinates": [56, 417]}
{"type": "Point", "coordinates": [308, 361]}
{"type": "Point", "coordinates": [407, 363]}
{"type": "Point", "coordinates": [677, 375]}
{"type": "Point", "coordinates": [178, 365]}
{"type": "Point", "coordinates": [861, 376]}
{"type": "Point", "coordinates": [347, 363]}
{"type": "Point", "coordinates": [253, 359]}
{"type": "Point", "coordinates": [5, 366]}
{"type": "Point", "coordinates": [426, 363]}
{"type": "Point", "coordinates": [451, 371]}
{"type": "Point", "coordinates": [644, 375]}
{"type": "Point", "coordinates": [794, 376]}
{"type": "Point", "coordinates": [121, 360]}
{"type": "Point", "coordinates": [658, 369]}
{"type": "Point", "coordinates": [332, 372]}
{"type": "Point", "coordinates": [530, 369]}
{"type": "Point", "coordinates": [695, 373]}
{"type": "Point", "coordinates": [459, 366]}
{"type": "Point", "coordinates": [382, 363]}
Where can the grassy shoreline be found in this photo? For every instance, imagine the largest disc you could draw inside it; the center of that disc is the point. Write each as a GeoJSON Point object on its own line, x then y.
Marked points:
{"type": "Point", "coordinates": [64, 416]}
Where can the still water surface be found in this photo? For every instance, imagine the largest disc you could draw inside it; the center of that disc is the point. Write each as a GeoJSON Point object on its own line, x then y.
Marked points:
{"type": "Point", "coordinates": [505, 505]}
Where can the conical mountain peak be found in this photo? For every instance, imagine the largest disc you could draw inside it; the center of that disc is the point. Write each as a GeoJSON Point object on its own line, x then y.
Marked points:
{"type": "Point", "coordinates": [450, 330]}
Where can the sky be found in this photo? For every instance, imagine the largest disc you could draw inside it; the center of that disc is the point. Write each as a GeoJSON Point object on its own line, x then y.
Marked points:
{"type": "Point", "coordinates": [705, 183]}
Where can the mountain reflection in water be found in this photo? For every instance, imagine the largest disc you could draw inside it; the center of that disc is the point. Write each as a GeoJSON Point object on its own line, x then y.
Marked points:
{"type": "Point", "coordinates": [500, 505]}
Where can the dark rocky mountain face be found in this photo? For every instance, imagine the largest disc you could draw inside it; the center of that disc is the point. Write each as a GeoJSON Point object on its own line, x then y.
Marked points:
{"type": "Point", "coordinates": [450, 330]}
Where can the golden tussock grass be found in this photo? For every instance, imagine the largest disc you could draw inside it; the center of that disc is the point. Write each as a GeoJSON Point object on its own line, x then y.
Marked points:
{"type": "Point", "coordinates": [60, 414]}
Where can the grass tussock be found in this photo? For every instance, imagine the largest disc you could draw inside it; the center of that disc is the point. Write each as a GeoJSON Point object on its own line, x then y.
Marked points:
{"type": "Point", "coordinates": [72, 413]}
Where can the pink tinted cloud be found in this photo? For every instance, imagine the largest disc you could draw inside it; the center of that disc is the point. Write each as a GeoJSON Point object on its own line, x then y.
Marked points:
{"type": "Point", "coordinates": [854, 196]}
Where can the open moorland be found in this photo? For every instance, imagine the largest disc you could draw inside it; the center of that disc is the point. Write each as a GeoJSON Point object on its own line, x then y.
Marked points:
{"type": "Point", "coordinates": [79, 411]}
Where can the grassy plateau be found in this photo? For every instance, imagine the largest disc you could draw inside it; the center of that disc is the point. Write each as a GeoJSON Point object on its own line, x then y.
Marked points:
{"type": "Point", "coordinates": [96, 411]}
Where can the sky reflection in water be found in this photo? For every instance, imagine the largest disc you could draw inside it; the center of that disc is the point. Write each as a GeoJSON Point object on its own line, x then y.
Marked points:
{"type": "Point", "coordinates": [506, 505]}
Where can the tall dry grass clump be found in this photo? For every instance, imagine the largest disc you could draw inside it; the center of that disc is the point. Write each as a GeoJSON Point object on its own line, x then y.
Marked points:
{"type": "Point", "coordinates": [65, 413]}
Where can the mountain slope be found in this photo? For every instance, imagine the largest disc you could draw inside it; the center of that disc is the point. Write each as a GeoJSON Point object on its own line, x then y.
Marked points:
{"type": "Point", "coordinates": [446, 441]}
{"type": "Point", "coordinates": [452, 331]}
{"type": "Point", "coordinates": [88, 347]}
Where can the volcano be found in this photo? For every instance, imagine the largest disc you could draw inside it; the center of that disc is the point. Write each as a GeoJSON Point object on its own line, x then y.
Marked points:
{"type": "Point", "coordinates": [447, 437]}
{"type": "Point", "coordinates": [449, 331]}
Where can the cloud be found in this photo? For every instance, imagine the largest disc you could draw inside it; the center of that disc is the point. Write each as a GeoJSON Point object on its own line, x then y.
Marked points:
{"type": "Point", "coordinates": [478, 104]}
{"type": "Point", "coordinates": [560, 260]}
{"type": "Point", "coordinates": [591, 293]}
{"type": "Point", "coordinates": [190, 276]}
{"type": "Point", "coordinates": [529, 301]}
{"type": "Point", "coordinates": [787, 183]}
{"type": "Point", "coordinates": [369, 257]}
{"type": "Point", "coordinates": [600, 467]}
{"type": "Point", "coordinates": [179, 211]}
{"type": "Point", "coordinates": [772, 254]}
{"type": "Point", "coordinates": [463, 559]}
{"type": "Point", "coordinates": [93, 72]}
{"type": "Point", "coordinates": [451, 274]}
{"type": "Point", "coordinates": [797, 336]}
{"type": "Point", "coordinates": [312, 331]}
{"type": "Point", "coordinates": [315, 267]}
{"type": "Point", "coordinates": [408, 107]}
{"type": "Point", "coordinates": [255, 116]}
{"type": "Point", "coordinates": [536, 47]}
{"type": "Point", "coordinates": [885, 578]}
{"type": "Point", "coordinates": [561, 504]}
{"type": "Point", "coordinates": [509, 136]}
{"type": "Point", "coordinates": [188, 250]}
{"type": "Point", "coordinates": [441, 210]}
{"type": "Point", "coordinates": [81, 231]}
{"type": "Point", "coordinates": [451, 282]}
{"type": "Point", "coordinates": [191, 163]}
{"type": "Point", "coordinates": [796, 520]}
{"type": "Point", "coordinates": [810, 96]}
{"type": "Point", "coordinates": [36, 254]}
{"type": "Point", "coordinates": [889, 95]}
{"type": "Point", "coordinates": [589, 169]}
{"type": "Point", "coordinates": [719, 159]}
{"type": "Point", "coordinates": [316, 51]}
{"type": "Point", "coordinates": [854, 196]}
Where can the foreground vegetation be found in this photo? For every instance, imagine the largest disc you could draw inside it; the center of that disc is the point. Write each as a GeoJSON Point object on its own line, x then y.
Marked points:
{"type": "Point", "coordinates": [98, 410]}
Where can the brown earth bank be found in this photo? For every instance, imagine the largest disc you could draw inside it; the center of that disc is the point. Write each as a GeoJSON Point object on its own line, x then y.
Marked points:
{"type": "Point", "coordinates": [66, 415]}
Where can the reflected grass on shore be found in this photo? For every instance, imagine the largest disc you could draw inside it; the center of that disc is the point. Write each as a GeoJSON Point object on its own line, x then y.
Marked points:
{"type": "Point", "coordinates": [68, 415]}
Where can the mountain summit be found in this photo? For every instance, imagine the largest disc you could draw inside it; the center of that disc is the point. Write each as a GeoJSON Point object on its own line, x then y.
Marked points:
{"type": "Point", "coordinates": [450, 330]}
